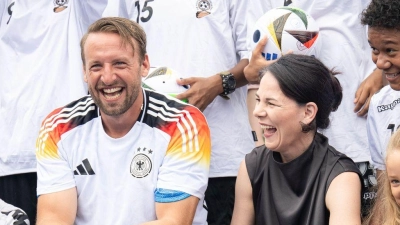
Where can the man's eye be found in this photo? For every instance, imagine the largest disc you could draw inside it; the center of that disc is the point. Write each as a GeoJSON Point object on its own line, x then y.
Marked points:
{"type": "Point", "coordinates": [119, 63]}
{"type": "Point", "coordinates": [95, 66]}
{"type": "Point", "coordinates": [390, 50]}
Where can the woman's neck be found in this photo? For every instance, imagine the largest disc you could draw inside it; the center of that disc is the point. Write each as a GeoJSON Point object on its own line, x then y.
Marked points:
{"type": "Point", "coordinates": [302, 145]}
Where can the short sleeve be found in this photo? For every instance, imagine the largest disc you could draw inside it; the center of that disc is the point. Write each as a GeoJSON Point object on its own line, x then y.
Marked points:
{"type": "Point", "coordinates": [186, 164]}
{"type": "Point", "coordinates": [53, 171]}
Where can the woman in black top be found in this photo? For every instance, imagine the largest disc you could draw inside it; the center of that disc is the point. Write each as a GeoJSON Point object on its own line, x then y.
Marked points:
{"type": "Point", "coordinates": [297, 177]}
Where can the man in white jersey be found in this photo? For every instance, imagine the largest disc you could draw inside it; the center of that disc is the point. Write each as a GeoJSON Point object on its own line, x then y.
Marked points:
{"type": "Point", "coordinates": [344, 48]}
{"type": "Point", "coordinates": [40, 70]}
{"type": "Point", "coordinates": [205, 41]}
{"type": "Point", "coordinates": [124, 154]}
{"type": "Point", "coordinates": [383, 21]}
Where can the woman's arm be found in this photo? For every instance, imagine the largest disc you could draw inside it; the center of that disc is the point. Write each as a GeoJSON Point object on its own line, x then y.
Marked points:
{"type": "Point", "coordinates": [343, 199]}
{"type": "Point", "coordinates": [243, 212]}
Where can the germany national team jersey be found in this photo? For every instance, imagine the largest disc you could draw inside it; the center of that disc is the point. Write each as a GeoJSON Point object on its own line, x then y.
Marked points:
{"type": "Point", "coordinates": [167, 148]}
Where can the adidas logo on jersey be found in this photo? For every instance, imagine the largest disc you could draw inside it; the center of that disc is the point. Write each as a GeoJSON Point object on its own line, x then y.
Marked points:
{"type": "Point", "coordinates": [84, 169]}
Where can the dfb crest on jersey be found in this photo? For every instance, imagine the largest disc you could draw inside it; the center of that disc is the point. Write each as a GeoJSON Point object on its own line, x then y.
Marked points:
{"type": "Point", "coordinates": [203, 8]}
{"type": "Point", "coordinates": [141, 165]}
{"type": "Point", "coordinates": [60, 5]}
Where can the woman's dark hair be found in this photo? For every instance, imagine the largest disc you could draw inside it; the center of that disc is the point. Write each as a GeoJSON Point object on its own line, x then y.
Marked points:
{"type": "Point", "coordinates": [382, 14]}
{"type": "Point", "coordinates": [305, 79]}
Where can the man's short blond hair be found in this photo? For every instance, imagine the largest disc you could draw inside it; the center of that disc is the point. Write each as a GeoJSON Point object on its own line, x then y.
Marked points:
{"type": "Point", "coordinates": [128, 30]}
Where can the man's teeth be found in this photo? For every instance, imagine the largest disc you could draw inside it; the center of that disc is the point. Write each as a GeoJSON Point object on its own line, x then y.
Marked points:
{"type": "Point", "coordinates": [112, 90]}
{"type": "Point", "coordinates": [392, 75]}
{"type": "Point", "coordinates": [112, 96]}
{"type": "Point", "coordinates": [112, 93]}
{"type": "Point", "coordinates": [267, 127]}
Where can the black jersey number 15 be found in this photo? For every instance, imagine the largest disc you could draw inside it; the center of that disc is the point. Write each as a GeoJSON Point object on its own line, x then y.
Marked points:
{"type": "Point", "coordinates": [145, 8]}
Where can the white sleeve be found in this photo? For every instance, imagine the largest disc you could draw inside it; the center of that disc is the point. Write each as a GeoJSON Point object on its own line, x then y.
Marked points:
{"type": "Point", "coordinates": [237, 18]}
{"type": "Point", "coordinates": [185, 167]}
{"type": "Point", "coordinates": [53, 171]}
{"type": "Point", "coordinates": [375, 148]}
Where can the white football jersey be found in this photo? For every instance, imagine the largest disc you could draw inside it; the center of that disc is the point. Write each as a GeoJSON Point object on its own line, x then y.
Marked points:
{"type": "Point", "coordinates": [200, 38]}
{"type": "Point", "coordinates": [347, 51]}
{"type": "Point", "coordinates": [383, 120]}
{"type": "Point", "coordinates": [40, 69]}
{"type": "Point", "coordinates": [116, 178]}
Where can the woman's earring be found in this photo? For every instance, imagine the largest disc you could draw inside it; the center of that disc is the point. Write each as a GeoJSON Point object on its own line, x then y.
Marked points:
{"type": "Point", "coordinates": [305, 128]}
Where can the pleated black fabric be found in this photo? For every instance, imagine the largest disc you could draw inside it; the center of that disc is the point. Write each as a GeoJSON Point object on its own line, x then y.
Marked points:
{"type": "Point", "coordinates": [294, 192]}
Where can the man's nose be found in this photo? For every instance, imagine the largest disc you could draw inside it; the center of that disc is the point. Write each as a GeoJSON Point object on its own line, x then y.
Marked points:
{"type": "Point", "coordinates": [108, 75]}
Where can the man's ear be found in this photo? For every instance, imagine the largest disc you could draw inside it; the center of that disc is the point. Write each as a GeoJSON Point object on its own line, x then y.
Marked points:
{"type": "Point", "coordinates": [145, 65]}
{"type": "Point", "coordinates": [310, 112]}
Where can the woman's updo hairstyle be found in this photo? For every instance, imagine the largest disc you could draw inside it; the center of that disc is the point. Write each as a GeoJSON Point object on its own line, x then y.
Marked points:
{"type": "Point", "coordinates": [306, 79]}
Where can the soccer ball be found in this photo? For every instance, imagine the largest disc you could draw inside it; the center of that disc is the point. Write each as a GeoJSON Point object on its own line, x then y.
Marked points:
{"type": "Point", "coordinates": [287, 28]}
{"type": "Point", "coordinates": [163, 79]}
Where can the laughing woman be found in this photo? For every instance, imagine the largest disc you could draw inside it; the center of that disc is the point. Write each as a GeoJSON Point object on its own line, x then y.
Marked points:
{"type": "Point", "coordinates": [297, 177]}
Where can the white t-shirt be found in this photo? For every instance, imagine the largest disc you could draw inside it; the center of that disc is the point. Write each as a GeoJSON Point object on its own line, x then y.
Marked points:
{"type": "Point", "coordinates": [40, 69]}
{"type": "Point", "coordinates": [383, 120]}
{"type": "Point", "coordinates": [167, 148]}
{"type": "Point", "coordinates": [344, 48]}
{"type": "Point", "coordinates": [201, 47]}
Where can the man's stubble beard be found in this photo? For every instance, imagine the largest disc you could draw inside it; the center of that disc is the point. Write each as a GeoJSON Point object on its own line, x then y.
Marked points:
{"type": "Point", "coordinates": [131, 92]}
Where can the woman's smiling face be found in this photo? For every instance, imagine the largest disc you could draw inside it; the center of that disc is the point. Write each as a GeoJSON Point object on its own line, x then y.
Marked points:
{"type": "Point", "coordinates": [278, 115]}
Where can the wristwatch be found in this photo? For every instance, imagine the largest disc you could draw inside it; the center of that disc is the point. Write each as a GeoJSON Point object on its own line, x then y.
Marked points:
{"type": "Point", "coordinates": [228, 83]}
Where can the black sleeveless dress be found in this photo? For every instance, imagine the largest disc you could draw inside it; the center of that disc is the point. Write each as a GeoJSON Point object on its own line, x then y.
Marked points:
{"type": "Point", "coordinates": [294, 192]}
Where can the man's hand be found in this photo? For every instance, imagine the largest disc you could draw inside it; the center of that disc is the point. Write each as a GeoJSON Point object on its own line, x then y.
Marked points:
{"type": "Point", "coordinates": [366, 90]}
{"type": "Point", "coordinates": [257, 62]}
{"type": "Point", "coordinates": [202, 91]}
